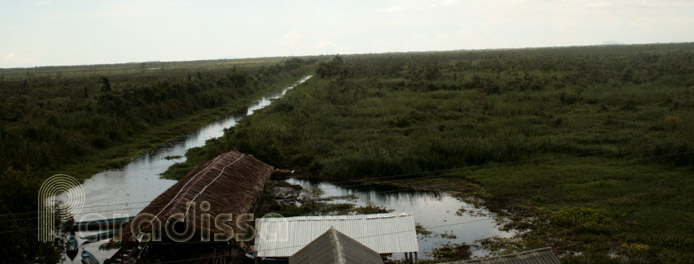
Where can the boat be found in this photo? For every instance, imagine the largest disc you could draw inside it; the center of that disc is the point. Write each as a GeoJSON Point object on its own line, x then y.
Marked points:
{"type": "Point", "coordinates": [88, 258]}
{"type": "Point", "coordinates": [101, 236]}
{"type": "Point", "coordinates": [71, 248]}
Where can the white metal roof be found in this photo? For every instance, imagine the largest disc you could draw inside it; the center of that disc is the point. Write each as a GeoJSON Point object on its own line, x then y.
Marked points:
{"type": "Point", "coordinates": [384, 233]}
{"type": "Point", "coordinates": [535, 256]}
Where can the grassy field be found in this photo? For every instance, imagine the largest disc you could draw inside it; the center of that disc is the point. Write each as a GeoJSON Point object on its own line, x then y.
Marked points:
{"type": "Point", "coordinates": [589, 150]}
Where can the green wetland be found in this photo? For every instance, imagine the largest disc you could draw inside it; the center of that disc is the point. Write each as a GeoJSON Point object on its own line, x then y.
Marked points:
{"type": "Point", "coordinates": [589, 150]}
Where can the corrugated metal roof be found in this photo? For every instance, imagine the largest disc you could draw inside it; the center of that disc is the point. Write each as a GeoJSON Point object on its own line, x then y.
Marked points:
{"type": "Point", "coordinates": [334, 247]}
{"type": "Point", "coordinates": [535, 256]}
{"type": "Point", "coordinates": [384, 233]}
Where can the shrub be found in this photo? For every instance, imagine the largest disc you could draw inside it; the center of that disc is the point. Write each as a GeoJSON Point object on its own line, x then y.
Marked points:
{"type": "Point", "coordinates": [452, 252]}
{"type": "Point", "coordinates": [585, 220]}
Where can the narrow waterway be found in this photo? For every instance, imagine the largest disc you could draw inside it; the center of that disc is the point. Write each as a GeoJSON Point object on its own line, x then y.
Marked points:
{"type": "Point", "coordinates": [125, 191]}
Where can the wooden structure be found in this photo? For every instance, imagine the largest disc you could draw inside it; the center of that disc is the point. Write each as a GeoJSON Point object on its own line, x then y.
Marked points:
{"type": "Point", "coordinates": [228, 185]}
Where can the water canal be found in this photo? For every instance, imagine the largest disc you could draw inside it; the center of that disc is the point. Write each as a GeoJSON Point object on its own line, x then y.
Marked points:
{"type": "Point", "coordinates": [125, 191]}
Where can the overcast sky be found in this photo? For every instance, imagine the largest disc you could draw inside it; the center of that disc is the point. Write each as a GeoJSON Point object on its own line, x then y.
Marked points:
{"type": "Point", "coordinates": [55, 32]}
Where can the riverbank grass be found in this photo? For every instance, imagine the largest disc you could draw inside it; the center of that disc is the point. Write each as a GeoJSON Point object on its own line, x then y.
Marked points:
{"type": "Point", "coordinates": [157, 136]}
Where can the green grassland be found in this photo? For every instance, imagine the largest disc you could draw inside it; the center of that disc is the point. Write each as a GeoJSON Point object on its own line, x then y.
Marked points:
{"type": "Point", "coordinates": [78, 120]}
{"type": "Point", "coordinates": [589, 150]}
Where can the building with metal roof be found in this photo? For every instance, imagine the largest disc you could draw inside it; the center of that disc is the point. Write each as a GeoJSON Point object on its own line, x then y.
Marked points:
{"type": "Point", "coordinates": [333, 247]}
{"type": "Point", "coordinates": [282, 237]}
{"type": "Point", "coordinates": [535, 256]}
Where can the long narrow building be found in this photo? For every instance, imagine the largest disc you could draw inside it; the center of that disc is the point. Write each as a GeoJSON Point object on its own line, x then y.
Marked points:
{"type": "Point", "coordinates": [197, 211]}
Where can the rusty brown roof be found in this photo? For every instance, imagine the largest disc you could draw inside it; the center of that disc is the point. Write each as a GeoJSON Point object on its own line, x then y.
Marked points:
{"type": "Point", "coordinates": [231, 183]}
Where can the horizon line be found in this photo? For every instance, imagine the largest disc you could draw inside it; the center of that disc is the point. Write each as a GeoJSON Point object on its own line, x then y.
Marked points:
{"type": "Point", "coordinates": [606, 43]}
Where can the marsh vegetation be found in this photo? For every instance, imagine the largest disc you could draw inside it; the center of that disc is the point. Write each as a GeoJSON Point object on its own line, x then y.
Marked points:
{"type": "Point", "coordinates": [589, 150]}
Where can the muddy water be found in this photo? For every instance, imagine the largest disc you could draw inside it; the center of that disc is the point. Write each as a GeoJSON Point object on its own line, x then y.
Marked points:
{"type": "Point", "coordinates": [438, 212]}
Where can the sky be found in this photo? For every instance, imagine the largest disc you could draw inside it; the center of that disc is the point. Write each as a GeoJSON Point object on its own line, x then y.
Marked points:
{"type": "Point", "coordinates": [63, 32]}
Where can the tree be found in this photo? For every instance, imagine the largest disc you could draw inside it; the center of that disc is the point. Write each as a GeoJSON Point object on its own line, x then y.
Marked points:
{"type": "Point", "coordinates": [628, 75]}
{"type": "Point", "coordinates": [293, 64]}
{"type": "Point", "coordinates": [334, 68]}
{"type": "Point", "coordinates": [106, 84]}
{"type": "Point", "coordinates": [20, 242]}
{"type": "Point", "coordinates": [431, 71]}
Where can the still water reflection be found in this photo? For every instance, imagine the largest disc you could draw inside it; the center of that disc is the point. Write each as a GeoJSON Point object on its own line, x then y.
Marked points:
{"type": "Point", "coordinates": [435, 211]}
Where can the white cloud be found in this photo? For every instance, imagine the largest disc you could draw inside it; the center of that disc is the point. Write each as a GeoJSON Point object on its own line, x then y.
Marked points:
{"type": "Point", "coordinates": [599, 4]}
{"type": "Point", "coordinates": [418, 5]}
{"type": "Point", "coordinates": [291, 39]}
{"type": "Point", "coordinates": [44, 2]}
{"type": "Point", "coordinates": [391, 9]}
{"type": "Point", "coordinates": [17, 59]}
{"type": "Point", "coordinates": [443, 3]}
{"type": "Point", "coordinates": [327, 47]}
{"type": "Point", "coordinates": [449, 2]}
{"type": "Point", "coordinates": [663, 4]}
{"type": "Point", "coordinates": [323, 44]}
{"type": "Point", "coordinates": [10, 55]}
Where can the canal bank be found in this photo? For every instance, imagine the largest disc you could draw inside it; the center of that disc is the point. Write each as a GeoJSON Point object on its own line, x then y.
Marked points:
{"type": "Point", "coordinates": [125, 191]}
